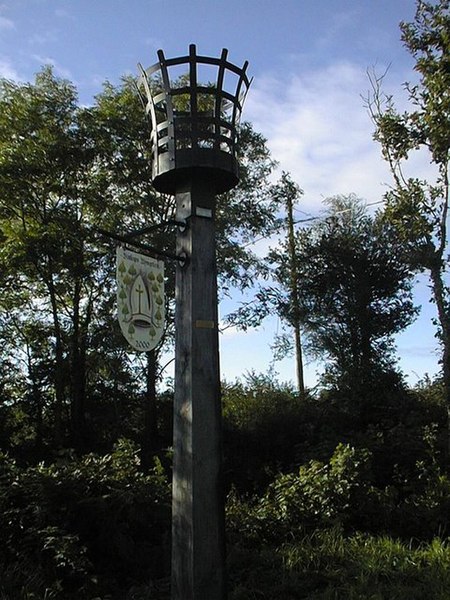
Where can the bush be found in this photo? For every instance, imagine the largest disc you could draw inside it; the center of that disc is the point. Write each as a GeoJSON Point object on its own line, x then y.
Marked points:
{"type": "Point", "coordinates": [319, 495]}
{"type": "Point", "coordinates": [263, 423]}
{"type": "Point", "coordinates": [85, 527]}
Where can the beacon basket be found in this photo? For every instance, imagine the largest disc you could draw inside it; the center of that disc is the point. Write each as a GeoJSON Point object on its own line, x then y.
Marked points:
{"type": "Point", "coordinates": [194, 103]}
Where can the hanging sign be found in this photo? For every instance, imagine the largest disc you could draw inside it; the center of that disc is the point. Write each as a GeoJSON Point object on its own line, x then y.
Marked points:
{"type": "Point", "coordinates": [140, 298]}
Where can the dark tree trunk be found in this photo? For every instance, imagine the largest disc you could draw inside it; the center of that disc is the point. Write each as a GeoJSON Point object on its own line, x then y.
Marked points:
{"type": "Point", "coordinates": [150, 431]}
{"type": "Point", "coordinates": [78, 377]}
{"type": "Point", "coordinates": [444, 322]}
{"type": "Point", "coordinates": [59, 366]}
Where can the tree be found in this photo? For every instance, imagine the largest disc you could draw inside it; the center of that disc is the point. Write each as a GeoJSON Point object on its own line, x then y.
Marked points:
{"type": "Point", "coordinates": [418, 208]}
{"type": "Point", "coordinates": [65, 169]}
{"type": "Point", "coordinates": [61, 171]}
{"type": "Point", "coordinates": [284, 194]}
{"type": "Point", "coordinates": [41, 179]}
{"type": "Point", "coordinates": [354, 290]}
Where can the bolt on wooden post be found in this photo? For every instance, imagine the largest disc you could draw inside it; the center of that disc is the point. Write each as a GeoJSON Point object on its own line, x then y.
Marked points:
{"type": "Point", "coordinates": [193, 143]}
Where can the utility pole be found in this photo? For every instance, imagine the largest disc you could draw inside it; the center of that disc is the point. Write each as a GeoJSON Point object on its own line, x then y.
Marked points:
{"type": "Point", "coordinates": [193, 157]}
{"type": "Point", "coordinates": [290, 195]}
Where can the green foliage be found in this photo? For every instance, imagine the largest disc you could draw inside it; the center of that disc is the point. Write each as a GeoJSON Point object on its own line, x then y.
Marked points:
{"type": "Point", "coordinates": [245, 213]}
{"type": "Point", "coordinates": [419, 208]}
{"type": "Point", "coordinates": [263, 421]}
{"type": "Point", "coordinates": [354, 289]}
{"type": "Point", "coordinates": [423, 496]}
{"type": "Point", "coordinates": [428, 41]}
{"type": "Point", "coordinates": [318, 495]}
{"type": "Point", "coordinates": [82, 528]}
{"type": "Point", "coordinates": [97, 526]}
{"type": "Point", "coordinates": [251, 403]}
{"type": "Point", "coordinates": [365, 567]}
{"type": "Point", "coordinates": [399, 487]}
{"type": "Point", "coordinates": [328, 532]}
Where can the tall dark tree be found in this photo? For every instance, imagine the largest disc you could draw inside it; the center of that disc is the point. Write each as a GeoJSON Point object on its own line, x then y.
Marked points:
{"type": "Point", "coordinates": [354, 290]}
{"type": "Point", "coordinates": [42, 180]}
{"type": "Point", "coordinates": [418, 208]}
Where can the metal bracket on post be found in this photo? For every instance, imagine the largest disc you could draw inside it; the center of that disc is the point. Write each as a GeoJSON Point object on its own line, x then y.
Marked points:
{"type": "Point", "coordinates": [182, 224]}
{"type": "Point", "coordinates": [183, 259]}
{"type": "Point", "coordinates": [205, 213]}
{"type": "Point", "coordinates": [127, 239]}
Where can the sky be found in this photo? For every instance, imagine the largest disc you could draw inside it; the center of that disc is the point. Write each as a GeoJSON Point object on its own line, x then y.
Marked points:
{"type": "Point", "coordinates": [310, 61]}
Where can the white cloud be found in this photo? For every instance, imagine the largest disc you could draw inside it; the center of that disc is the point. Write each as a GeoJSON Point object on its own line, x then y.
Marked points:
{"type": "Point", "coordinates": [59, 69]}
{"type": "Point", "coordinates": [42, 38]}
{"type": "Point", "coordinates": [6, 23]}
{"type": "Point", "coordinates": [319, 130]}
{"type": "Point", "coordinates": [7, 71]}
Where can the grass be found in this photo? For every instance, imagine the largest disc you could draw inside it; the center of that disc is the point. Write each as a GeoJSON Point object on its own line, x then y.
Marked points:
{"type": "Point", "coordinates": [324, 565]}
{"type": "Point", "coordinates": [328, 566]}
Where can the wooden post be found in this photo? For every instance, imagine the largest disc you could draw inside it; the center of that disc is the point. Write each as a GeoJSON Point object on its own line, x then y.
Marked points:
{"type": "Point", "coordinates": [294, 297]}
{"type": "Point", "coordinates": [198, 546]}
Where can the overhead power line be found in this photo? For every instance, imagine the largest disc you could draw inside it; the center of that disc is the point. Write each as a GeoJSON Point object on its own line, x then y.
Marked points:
{"type": "Point", "coordinates": [308, 220]}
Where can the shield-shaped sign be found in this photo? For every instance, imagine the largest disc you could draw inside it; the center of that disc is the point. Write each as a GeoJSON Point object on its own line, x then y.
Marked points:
{"type": "Point", "coordinates": [140, 298]}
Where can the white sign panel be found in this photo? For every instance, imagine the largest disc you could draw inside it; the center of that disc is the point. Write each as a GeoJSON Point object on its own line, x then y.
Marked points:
{"type": "Point", "coordinates": [140, 298]}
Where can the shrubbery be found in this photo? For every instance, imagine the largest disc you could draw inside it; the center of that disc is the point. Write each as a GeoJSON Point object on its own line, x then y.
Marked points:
{"type": "Point", "coordinates": [318, 495]}
{"type": "Point", "coordinates": [82, 528]}
{"type": "Point", "coordinates": [342, 493]}
{"type": "Point", "coordinates": [326, 532]}
{"type": "Point", "coordinates": [264, 425]}
{"type": "Point", "coordinates": [366, 517]}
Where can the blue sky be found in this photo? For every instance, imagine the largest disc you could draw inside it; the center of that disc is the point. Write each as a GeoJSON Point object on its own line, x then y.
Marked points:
{"type": "Point", "coordinates": [309, 60]}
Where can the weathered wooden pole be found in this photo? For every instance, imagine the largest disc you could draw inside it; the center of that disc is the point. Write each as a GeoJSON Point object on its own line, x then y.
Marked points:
{"type": "Point", "coordinates": [294, 295]}
{"type": "Point", "coordinates": [194, 130]}
{"type": "Point", "coordinates": [198, 546]}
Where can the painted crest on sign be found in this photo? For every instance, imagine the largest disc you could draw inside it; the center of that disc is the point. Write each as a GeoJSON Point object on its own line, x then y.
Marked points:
{"type": "Point", "coordinates": [140, 298]}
